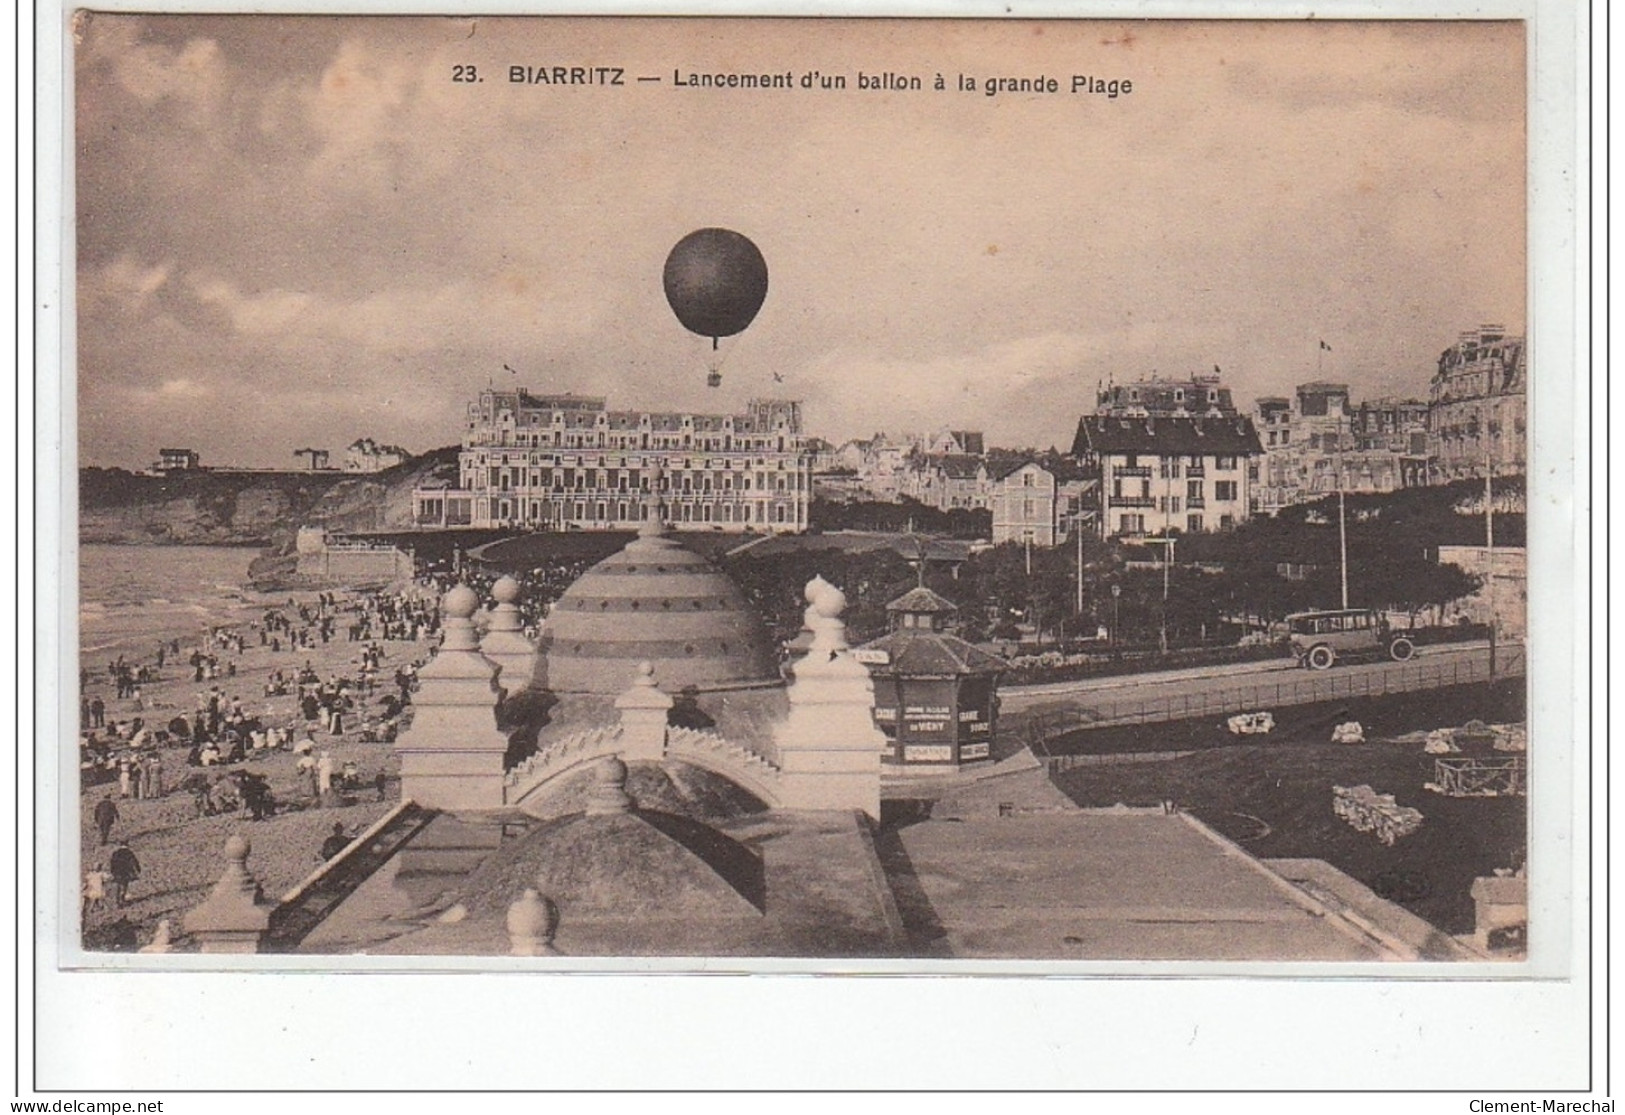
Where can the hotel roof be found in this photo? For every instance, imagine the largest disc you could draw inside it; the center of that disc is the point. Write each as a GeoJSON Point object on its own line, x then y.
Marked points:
{"type": "Point", "coordinates": [1168, 437]}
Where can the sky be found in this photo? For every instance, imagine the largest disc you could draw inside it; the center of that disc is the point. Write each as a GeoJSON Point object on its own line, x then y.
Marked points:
{"type": "Point", "coordinates": [299, 231]}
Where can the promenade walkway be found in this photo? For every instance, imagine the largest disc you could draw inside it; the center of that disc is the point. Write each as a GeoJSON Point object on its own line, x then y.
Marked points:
{"type": "Point", "coordinates": [1221, 691]}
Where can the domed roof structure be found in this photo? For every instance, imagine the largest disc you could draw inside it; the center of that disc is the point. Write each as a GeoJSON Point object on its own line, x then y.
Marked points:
{"type": "Point", "coordinates": [618, 861]}
{"type": "Point", "coordinates": [658, 602]}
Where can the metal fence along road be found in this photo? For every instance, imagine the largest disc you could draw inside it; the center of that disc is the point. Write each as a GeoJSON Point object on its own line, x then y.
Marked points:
{"type": "Point", "coordinates": [1142, 704]}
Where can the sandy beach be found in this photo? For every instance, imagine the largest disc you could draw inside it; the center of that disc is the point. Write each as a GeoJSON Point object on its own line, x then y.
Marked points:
{"type": "Point", "coordinates": [180, 852]}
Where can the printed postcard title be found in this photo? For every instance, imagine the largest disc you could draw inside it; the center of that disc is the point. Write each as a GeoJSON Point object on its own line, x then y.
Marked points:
{"type": "Point", "coordinates": [885, 81]}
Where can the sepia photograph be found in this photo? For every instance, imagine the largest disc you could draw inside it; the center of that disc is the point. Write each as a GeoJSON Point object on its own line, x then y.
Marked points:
{"type": "Point", "coordinates": [1039, 491]}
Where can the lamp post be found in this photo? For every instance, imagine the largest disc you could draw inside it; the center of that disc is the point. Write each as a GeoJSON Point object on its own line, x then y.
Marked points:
{"type": "Point", "coordinates": [1166, 541]}
{"type": "Point", "coordinates": [1079, 518]}
{"type": "Point", "coordinates": [1117, 596]}
{"type": "Point", "coordinates": [1342, 521]}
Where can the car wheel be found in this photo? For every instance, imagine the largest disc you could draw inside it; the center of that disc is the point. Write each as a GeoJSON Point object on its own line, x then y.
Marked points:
{"type": "Point", "coordinates": [1321, 657]}
{"type": "Point", "coordinates": [1401, 649]}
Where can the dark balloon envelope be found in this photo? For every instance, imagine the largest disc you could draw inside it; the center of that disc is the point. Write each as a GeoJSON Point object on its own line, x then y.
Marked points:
{"type": "Point", "coordinates": [716, 281]}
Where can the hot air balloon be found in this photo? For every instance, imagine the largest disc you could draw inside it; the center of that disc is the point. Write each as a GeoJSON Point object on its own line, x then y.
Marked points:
{"type": "Point", "coordinates": [716, 281]}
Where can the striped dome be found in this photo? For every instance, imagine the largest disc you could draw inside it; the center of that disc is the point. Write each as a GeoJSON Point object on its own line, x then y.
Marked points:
{"type": "Point", "coordinates": [655, 602]}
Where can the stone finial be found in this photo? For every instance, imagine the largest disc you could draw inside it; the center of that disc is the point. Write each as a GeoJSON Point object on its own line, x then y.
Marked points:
{"type": "Point", "coordinates": [162, 939]}
{"type": "Point", "coordinates": [452, 755]}
{"type": "Point", "coordinates": [234, 917]}
{"type": "Point", "coordinates": [609, 790]}
{"type": "Point", "coordinates": [457, 608]}
{"type": "Point", "coordinates": [643, 693]}
{"type": "Point", "coordinates": [643, 708]}
{"type": "Point", "coordinates": [532, 922]}
{"type": "Point", "coordinates": [504, 641]}
{"type": "Point", "coordinates": [237, 880]}
{"type": "Point", "coordinates": [829, 747]}
{"type": "Point", "coordinates": [825, 603]}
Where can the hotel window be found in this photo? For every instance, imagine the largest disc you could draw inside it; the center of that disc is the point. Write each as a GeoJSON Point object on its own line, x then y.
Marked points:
{"type": "Point", "coordinates": [1193, 491]}
{"type": "Point", "coordinates": [1193, 524]}
{"type": "Point", "coordinates": [1132, 524]}
{"type": "Point", "coordinates": [1224, 490]}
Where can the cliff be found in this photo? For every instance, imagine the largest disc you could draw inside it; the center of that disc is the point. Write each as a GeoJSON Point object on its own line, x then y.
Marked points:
{"type": "Point", "coordinates": [204, 507]}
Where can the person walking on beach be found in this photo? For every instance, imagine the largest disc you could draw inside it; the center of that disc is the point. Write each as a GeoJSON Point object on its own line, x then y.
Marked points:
{"type": "Point", "coordinates": [94, 896]}
{"type": "Point", "coordinates": [125, 869]}
{"type": "Point", "coordinates": [324, 774]}
{"type": "Point", "coordinates": [98, 713]}
{"type": "Point", "coordinates": [124, 777]}
{"type": "Point", "coordinates": [106, 816]}
{"type": "Point", "coordinates": [306, 766]}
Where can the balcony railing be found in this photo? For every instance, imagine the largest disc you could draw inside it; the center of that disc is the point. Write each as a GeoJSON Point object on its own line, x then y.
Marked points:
{"type": "Point", "coordinates": [1196, 470]}
{"type": "Point", "coordinates": [1133, 501]}
{"type": "Point", "coordinates": [1196, 504]}
{"type": "Point", "coordinates": [1132, 470]}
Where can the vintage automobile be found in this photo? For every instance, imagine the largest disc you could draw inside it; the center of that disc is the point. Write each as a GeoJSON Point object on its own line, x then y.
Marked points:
{"type": "Point", "coordinates": [1321, 639]}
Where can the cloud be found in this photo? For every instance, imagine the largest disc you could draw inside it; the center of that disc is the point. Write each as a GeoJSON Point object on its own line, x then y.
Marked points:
{"type": "Point", "coordinates": [508, 305]}
{"type": "Point", "coordinates": [194, 73]}
{"type": "Point", "coordinates": [184, 389]}
{"type": "Point", "coordinates": [308, 217]}
{"type": "Point", "coordinates": [127, 281]}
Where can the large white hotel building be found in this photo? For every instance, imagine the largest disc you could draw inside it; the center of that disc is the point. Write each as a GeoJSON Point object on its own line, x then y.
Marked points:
{"type": "Point", "coordinates": [566, 462]}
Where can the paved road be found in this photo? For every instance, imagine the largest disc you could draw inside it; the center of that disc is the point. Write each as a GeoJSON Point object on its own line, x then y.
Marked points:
{"type": "Point", "coordinates": [1174, 694]}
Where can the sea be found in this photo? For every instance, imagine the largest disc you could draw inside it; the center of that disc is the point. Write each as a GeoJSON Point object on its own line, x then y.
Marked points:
{"type": "Point", "coordinates": [131, 597]}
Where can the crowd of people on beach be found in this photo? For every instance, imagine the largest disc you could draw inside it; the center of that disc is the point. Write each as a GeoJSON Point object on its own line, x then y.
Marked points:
{"type": "Point", "coordinates": [143, 737]}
